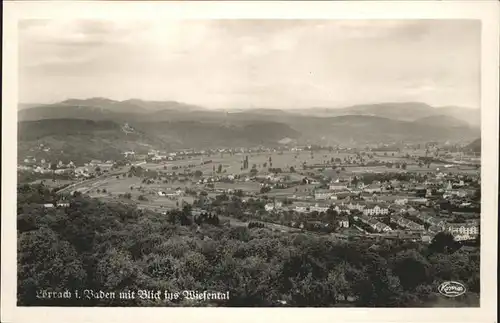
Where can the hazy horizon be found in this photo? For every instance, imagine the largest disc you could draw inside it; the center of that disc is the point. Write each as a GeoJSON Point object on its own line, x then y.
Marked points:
{"type": "Point", "coordinates": [244, 108]}
{"type": "Point", "coordinates": [270, 64]}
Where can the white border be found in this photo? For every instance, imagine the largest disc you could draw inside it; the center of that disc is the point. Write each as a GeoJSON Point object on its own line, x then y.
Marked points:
{"type": "Point", "coordinates": [486, 11]}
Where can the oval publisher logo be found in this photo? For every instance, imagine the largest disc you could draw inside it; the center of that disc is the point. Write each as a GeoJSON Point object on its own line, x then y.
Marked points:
{"type": "Point", "coordinates": [452, 289]}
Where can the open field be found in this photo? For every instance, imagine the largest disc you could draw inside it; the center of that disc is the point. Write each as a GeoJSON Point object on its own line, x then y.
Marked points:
{"type": "Point", "coordinates": [232, 163]}
{"type": "Point", "coordinates": [53, 183]}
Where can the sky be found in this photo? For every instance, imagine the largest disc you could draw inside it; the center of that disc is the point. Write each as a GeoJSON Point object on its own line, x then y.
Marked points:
{"type": "Point", "coordinates": [252, 63]}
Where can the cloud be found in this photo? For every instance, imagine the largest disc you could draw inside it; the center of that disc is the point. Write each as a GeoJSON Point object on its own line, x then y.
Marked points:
{"type": "Point", "coordinates": [226, 63]}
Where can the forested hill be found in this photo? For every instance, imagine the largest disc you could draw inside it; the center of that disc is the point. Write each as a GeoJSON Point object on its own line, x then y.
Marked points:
{"type": "Point", "coordinates": [95, 246]}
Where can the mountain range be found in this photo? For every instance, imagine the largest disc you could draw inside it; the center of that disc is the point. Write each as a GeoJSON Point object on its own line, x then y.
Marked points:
{"type": "Point", "coordinates": [170, 124]}
{"type": "Point", "coordinates": [136, 109]}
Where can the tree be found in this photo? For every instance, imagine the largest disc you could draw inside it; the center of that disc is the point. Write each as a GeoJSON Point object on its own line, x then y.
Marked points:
{"type": "Point", "coordinates": [38, 248]}
{"type": "Point", "coordinates": [442, 242]}
{"type": "Point", "coordinates": [292, 169]}
{"type": "Point", "coordinates": [219, 169]}
{"type": "Point", "coordinates": [265, 189]}
{"type": "Point", "coordinates": [198, 173]}
{"type": "Point", "coordinates": [412, 269]}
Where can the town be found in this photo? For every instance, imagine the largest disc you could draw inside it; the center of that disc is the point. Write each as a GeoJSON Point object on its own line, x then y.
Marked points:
{"type": "Point", "coordinates": [405, 191]}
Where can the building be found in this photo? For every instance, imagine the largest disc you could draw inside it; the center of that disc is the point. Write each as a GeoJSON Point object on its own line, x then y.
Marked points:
{"type": "Point", "coordinates": [374, 224]}
{"type": "Point", "coordinates": [463, 229]}
{"type": "Point", "coordinates": [401, 201]}
{"type": "Point", "coordinates": [82, 172]}
{"type": "Point", "coordinates": [272, 206]}
{"type": "Point", "coordinates": [405, 223]}
{"type": "Point", "coordinates": [324, 195]}
{"type": "Point", "coordinates": [418, 201]}
{"type": "Point", "coordinates": [337, 187]}
{"type": "Point", "coordinates": [372, 188]}
{"type": "Point", "coordinates": [318, 208]}
{"type": "Point", "coordinates": [343, 222]}
{"type": "Point", "coordinates": [95, 162]}
{"type": "Point", "coordinates": [375, 210]}
{"type": "Point", "coordinates": [301, 209]}
{"type": "Point", "coordinates": [129, 153]}
{"type": "Point", "coordinates": [63, 171]}
{"type": "Point", "coordinates": [435, 223]}
{"type": "Point", "coordinates": [356, 206]}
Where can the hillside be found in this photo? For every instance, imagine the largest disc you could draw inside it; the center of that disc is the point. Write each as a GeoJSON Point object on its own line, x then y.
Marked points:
{"type": "Point", "coordinates": [91, 138]}
{"type": "Point", "coordinates": [78, 139]}
{"type": "Point", "coordinates": [66, 111]}
{"type": "Point", "coordinates": [442, 121]}
{"type": "Point", "coordinates": [214, 134]}
{"type": "Point", "coordinates": [474, 146]}
{"type": "Point", "coordinates": [471, 116]}
{"type": "Point", "coordinates": [370, 129]}
{"type": "Point", "coordinates": [92, 126]}
{"type": "Point", "coordinates": [104, 109]}
{"type": "Point", "coordinates": [409, 111]}
{"type": "Point", "coordinates": [141, 110]}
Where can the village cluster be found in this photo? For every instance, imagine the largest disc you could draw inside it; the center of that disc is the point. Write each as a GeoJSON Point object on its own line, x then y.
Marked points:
{"type": "Point", "coordinates": [358, 193]}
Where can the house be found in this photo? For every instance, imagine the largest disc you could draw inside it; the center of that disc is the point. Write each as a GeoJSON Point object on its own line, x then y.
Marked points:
{"type": "Point", "coordinates": [372, 188]}
{"type": "Point", "coordinates": [343, 222]}
{"type": "Point", "coordinates": [463, 229]}
{"type": "Point", "coordinates": [272, 206]}
{"type": "Point", "coordinates": [63, 204]}
{"type": "Point", "coordinates": [337, 187]}
{"type": "Point", "coordinates": [301, 209]}
{"type": "Point", "coordinates": [374, 224]}
{"type": "Point", "coordinates": [318, 208]}
{"type": "Point", "coordinates": [405, 223]}
{"type": "Point", "coordinates": [463, 237]}
{"type": "Point", "coordinates": [104, 166]}
{"type": "Point", "coordinates": [401, 201]}
{"type": "Point", "coordinates": [418, 201]}
{"type": "Point", "coordinates": [356, 206]}
{"type": "Point", "coordinates": [426, 238]}
{"type": "Point", "coordinates": [324, 195]}
{"type": "Point", "coordinates": [397, 208]}
{"type": "Point", "coordinates": [48, 205]}
{"type": "Point", "coordinates": [129, 153]}
{"type": "Point", "coordinates": [95, 162]}
{"type": "Point", "coordinates": [434, 229]}
{"type": "Point", "coordinates": [62, 171]}
{"type": "Point", "coordinates": [82, 171]}
{"type": "Point", "coordinates": [375, 210]}
{"type": "Point", "coordinates": [380, 227]}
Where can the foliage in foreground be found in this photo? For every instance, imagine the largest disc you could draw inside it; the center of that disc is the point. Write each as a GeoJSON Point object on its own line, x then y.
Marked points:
{"type": "Point", "coordinates": [112, 247]}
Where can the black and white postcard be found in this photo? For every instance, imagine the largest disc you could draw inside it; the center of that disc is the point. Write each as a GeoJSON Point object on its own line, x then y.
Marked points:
{"type": "Point", "coordinates": [271, 160]}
